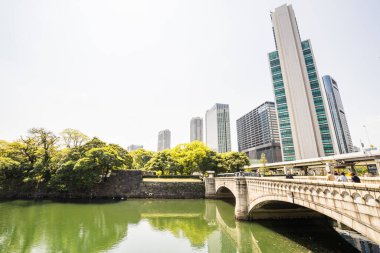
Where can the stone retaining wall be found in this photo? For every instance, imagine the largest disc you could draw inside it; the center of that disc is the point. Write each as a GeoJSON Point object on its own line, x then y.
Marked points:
{"type": "Point", "coordinates": [129, 184]}
{"type": "Point", "coordinates": [170, 190]}
{"type": "Point", "coordinates": [121, 184]}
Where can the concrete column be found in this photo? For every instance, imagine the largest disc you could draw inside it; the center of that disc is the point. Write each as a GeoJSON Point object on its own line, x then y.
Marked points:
{"type": "Point", "coordinates": [210, 187]}
{"type": "Point", "coordinates": [241, 206]}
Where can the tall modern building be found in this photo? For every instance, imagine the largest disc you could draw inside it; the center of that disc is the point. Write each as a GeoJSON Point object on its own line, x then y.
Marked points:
{"type": "Point", "coordinates": [338, 115]}
{"type": "Point", "coordinates": [218, 136]}
{"type": "Point", "coordinates": [134, 147]}
{"type": "Point", "coordinates": [163, 140]}
{"type": "Point", "coordinates": [258, 133]}
{"type": "Point", "coordinates": [196, 129]}
{"type": "Point", "coordinates": [303, 121]}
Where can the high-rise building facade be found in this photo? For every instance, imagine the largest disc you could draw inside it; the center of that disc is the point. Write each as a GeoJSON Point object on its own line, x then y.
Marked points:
{"type": "Point", "coordinates": [196, 129]}
{"type": "Point", "coordinates": [338, 115]}
{"type": "Point", "coordinates": [258, 133]}
{"type": "Point", "coordinates": [218, 136]}
{"type": "Point", "coordinates": [164, 140]}
{"type": "Point", "coordinates": [134, 147]}
{"type": "Point", "coordinates": [303, 121]}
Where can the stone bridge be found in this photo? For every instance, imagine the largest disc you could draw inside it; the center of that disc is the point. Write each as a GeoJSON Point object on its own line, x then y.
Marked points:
{"type": "Point", "coordinates": [352, 204]}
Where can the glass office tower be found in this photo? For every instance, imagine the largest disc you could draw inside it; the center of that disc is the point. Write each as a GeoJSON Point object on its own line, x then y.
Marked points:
{"type": "Point", "coordinates": [196, 129]}
{"type": "Point", "coordinates": [257, 134]}
{"type": "Point", "coordinates": [164, 137]}
{"type": "Point", "coordinates": [218, 136]}
{"type": "Point", "coordinates": [338, 115]}
{"type": "Point", "coordinates": [303, 121]}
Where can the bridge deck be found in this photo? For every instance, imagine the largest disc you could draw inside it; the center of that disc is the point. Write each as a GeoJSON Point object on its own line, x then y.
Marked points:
{"type": "Point", "coordinates": [354, 204]}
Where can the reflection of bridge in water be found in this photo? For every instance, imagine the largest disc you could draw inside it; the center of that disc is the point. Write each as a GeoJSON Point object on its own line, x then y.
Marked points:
{"type": "Point", "coordinates": [215, 214]}
{"type": "Point", "coordinates": [354, 205]}
{"type": "Point", "coordinates": [244, 242]}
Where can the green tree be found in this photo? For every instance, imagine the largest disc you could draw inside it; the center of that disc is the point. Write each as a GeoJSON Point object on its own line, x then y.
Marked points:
{"type": "Point", "coordinates": [234, 161]}
{"type": "Point", "coordinates": [73, 138]}
{"type": "Point", "coordinates": [163, 162]}
{"type": "Point", "coordinates": [140, 158]}
{"type": "Point", "coordinates": [123, 153]}
{"type": "Point", "coordinates": [93, 143]}
{"type": "Point", "coordinates": [195, 157]}
{"type": "Point", "coordinates": [40, 147]}
{"type": "Point", "coordinates": [100, 162]}
{"type": "Point", "coordinates": [9, 169]}
{"type": "Point", "coordinates": [83, 166]}
{"type": "Point", "coordinates": [209, 162]}
{"type": "Point", "coordinates": [263, 161]}
{"type": "Point", "coordinates": [15, 166]}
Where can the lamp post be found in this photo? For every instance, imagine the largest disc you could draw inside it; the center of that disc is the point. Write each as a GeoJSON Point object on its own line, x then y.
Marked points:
{"type": "Point", "coordinates": [366, 131]}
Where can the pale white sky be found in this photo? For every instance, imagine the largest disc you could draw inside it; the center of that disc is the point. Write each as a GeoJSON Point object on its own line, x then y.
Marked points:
{"type": "Point", "coordinates": [124, 70]}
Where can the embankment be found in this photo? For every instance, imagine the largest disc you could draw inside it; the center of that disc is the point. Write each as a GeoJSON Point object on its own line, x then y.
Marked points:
{"type": "Point", "coordinates": [120, 184]}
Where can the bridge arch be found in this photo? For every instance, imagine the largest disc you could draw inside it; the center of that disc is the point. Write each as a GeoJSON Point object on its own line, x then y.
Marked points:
{"type": "Point", "coordinates": [333, 213]}
{"type": "Point", "coordinates": [355, 205]}
{"type": "Point", "coordinates": [225, 192]}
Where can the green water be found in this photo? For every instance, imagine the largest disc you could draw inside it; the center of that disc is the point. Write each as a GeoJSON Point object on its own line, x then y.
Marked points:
{"type": "Point", "coordinates": [154, 226]}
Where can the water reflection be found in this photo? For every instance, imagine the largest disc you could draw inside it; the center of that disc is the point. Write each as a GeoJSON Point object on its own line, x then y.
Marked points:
{"type": "Point", "coordinates": [154, 225]}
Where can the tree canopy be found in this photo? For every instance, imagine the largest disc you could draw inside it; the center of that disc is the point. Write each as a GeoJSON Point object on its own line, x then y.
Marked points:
{"type": "Point", "coordinates": [39, 160]}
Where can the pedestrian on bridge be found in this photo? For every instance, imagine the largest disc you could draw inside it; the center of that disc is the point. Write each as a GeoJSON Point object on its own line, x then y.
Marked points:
{"type": "Point", "coordinates": [289, 175]}
{"type": "Point", "coordinates": [336, 175]}
{"type": "Point", "coordinates": [355, 178]}
{"type": "Point", "coordinates": [342, 178]}
{"type": "Point", "coordinates": [330, 177]}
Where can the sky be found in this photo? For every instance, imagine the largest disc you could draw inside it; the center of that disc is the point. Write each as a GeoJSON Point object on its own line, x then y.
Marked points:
{"type": "Point", "coordinates": [124, 70]}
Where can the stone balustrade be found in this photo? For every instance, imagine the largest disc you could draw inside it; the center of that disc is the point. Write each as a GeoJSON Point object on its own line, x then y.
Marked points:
{"type": "Point", "coordinates": [354, 204]}
{"type": "Point", "coordinates": [365, 180]}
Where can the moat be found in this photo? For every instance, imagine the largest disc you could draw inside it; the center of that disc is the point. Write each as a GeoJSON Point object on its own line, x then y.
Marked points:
{"type": "Point", "coordinates": [154, 226]}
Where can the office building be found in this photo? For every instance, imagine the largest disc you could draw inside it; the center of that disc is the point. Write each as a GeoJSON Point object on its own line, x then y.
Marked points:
{"type": "Point", "coordinates": [218, 136]}
{"type": "Point", "coordinates": [338, 115]}
{"type": "Point", "coordinates": [164, 140]}
{"type": "Point", "coordinates": [257, 133]}
{"type": "Point", "coordinates": [303, 120]}
{"type": "Point", "coordinates": [196, 129]}
{"type": "Point", "coordinates": [134, 147]}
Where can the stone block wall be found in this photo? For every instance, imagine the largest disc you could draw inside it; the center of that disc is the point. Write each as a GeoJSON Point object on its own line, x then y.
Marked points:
{"type": "Point", "coordinates": [121, 184]}
{"type": "Point", "coordinates": [129, 184]}
{"type": "Point", "coordinates": [170, 190]}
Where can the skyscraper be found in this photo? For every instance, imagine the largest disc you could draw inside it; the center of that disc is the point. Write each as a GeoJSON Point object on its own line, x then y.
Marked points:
{"type": "Point", "coordinates": [196, 129]}
{"type": "Point", "coordinates": [303, 121]}
{"type": "Point", "coordinates": [163, 140]}
{"type": "Point", "coordinates": [258, 133]}
{"type": "Point", "coordinates": [218, 136]}
{"type": "Point", "coordinates": [338, 115]}
{"type": "Point", "coordinates": [134, 147]}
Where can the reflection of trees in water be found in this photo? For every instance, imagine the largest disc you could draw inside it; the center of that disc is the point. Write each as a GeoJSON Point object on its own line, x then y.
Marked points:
{"type": "Point", "coordinates": [61, 227]}
{"type": "Point", "coordinates": [83, 227]}
{"type": "Point", "coordinates": [68, 227]}
{"type": "Point", "coordinates": [195, 229]}
{"type": "Point", "coordinates": [183, 218]}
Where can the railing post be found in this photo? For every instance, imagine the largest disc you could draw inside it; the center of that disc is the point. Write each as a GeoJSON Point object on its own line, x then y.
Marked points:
{"type": "Point", "coordinates": [241, 206]}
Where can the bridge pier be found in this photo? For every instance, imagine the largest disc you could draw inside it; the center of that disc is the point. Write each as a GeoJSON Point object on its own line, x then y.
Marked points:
{"type": "Point", "coordinates": [210, 191]}
{"type": "Point", "coordinates": [241, 206]}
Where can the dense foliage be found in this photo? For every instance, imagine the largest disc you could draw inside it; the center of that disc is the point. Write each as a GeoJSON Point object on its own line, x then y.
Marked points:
{"type": "Point", "coordinates": [74, 162]}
